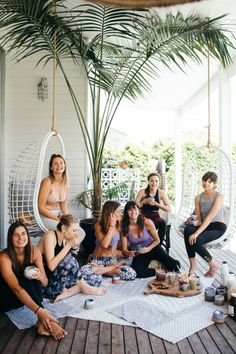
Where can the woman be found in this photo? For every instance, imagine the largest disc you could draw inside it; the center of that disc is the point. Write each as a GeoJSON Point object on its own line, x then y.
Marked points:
{"type": "Point", "coordinates": [107, 232]}
{"type": "Point", "coordinates": [64, 277]}
{"type": "Point", "coordinates": [15, 289]}
{"type": "Point", "coordinates": [151, 199]}
{"type": "Point", "coordinates": [52, 200]}
{"type": "Point", "coordinates": [209, 226]}
{"type": "Point", "coordinates": [140, 233]}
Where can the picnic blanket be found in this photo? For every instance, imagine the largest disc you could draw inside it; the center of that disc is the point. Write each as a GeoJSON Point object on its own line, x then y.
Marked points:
{"type": "Point", "coordinates": [170, 318]}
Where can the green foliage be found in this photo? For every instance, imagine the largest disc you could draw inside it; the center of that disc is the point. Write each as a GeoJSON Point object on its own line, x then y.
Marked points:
{"type": "Point", "coordinates": [139, 157]}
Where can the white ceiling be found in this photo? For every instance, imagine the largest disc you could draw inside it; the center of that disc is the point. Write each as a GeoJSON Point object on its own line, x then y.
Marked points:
{"type": "Point", "coordinates": [174, 88]}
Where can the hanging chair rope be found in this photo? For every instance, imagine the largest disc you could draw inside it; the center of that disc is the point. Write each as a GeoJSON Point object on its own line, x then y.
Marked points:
{"type": "Point", "coordinates": [53, 128]}
{"type": "Point", "coordinates": [208, 100]}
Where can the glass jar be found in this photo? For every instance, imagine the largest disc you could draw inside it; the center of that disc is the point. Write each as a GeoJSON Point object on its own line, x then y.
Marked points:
{"type": "Point", "coordinates": [224, 273]}
{"type": "Point", "coordinates": [231, 280]}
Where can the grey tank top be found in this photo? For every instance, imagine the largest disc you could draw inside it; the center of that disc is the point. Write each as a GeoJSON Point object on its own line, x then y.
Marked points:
{"type": "Point", "coordinates": [206, 205]}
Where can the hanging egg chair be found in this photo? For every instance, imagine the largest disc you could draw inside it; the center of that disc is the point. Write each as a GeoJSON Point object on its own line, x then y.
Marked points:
{"type": "Point", "coordinates": [30, 167]}
{"type": "Point", "coordinates": [201, 160]}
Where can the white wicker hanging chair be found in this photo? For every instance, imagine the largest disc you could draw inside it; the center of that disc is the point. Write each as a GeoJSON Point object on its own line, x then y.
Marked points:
{"type": "Point", "coordinates": [30, 168]}
{"type": "Point", "coordinates": [201, 160]}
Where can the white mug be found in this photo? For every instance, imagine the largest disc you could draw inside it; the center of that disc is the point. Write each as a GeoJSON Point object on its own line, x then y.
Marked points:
{"type": "Point", "coordinates": [30, 271]}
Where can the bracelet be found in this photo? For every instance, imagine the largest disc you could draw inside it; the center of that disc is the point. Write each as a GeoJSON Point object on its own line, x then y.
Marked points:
{"type": "Point", "coordinates": [37, 309]}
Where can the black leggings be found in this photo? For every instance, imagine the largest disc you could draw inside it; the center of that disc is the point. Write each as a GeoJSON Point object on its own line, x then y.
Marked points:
{"type": "Point", "coordinates": [141, 262]}
{"type": "Point", "coordinates": [211, 233]}
{"type": "Point", "coordinates": [10, 301]}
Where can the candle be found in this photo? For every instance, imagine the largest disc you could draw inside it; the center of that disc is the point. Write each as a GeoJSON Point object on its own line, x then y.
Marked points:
{"type": "Point", "coordinates": [219, 300]}
{"type": "Point", "coordinates": [222, 290]}
{"type": "Point", "coordinates": [115, 279]}
{"type": "Point", "coordinates": [210, 294]}
{"type": "Point", "coordinates": [89, 304]}
{"type": "Point", "coordinates": [218, 317]}
{"type": "Point", "coordinates": [161, 276]}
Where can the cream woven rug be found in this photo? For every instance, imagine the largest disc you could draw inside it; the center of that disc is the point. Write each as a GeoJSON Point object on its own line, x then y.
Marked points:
{"type": "Point", "coordinates": [170, 318]}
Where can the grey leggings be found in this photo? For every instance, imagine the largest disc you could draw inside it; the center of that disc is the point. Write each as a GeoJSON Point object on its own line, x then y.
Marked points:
{"type": "Point", "coordinates": [211, 233]}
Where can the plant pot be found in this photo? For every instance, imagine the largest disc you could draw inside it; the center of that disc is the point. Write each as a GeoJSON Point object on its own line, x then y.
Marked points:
{"type": "Point", "coordinates": [89, 242]}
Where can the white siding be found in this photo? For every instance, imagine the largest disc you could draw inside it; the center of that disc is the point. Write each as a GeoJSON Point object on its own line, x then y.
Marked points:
{"type": "Point", "coordinates": [27, 118]}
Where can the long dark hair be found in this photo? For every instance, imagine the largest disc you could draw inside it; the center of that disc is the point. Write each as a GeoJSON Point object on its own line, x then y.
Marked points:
{"type": "Point", "coordinates": [65, 178]}
{"type": "Point", "coordinates": [125, 220]}
{"type": "Point", "coordinates": [108, 208]}
{"type": "Point", "coordinates": [147, 189]}
{"type": "Point", "coordinates": [11, 251]}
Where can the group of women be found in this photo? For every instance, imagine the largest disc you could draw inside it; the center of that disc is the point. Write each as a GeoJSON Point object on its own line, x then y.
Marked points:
{"type": "Point", "coordinates": [139, 233]}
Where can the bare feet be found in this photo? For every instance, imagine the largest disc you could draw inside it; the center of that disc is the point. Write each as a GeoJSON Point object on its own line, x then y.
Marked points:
{"type": "Point", "coordinates": [67, 293]}
{"type": "Point", "coordinates": [57, 332]}
{"type": "Point", "coordinates": [193, 266]}
{"type": "Point", "coordinates": [87, 289]}
{"type": "Point", "coordinates": [41, 329]}
{"type": "Point", "coordinates": [212, 271]}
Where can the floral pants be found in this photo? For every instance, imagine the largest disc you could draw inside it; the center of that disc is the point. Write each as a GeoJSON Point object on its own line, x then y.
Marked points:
{"type": "Point", "coordinates": [67, 274]}
{"type": "Point", "coordinates": [126, 272]}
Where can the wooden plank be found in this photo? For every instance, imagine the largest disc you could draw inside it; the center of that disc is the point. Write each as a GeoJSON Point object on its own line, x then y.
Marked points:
{"type": "Point", "coordinates": [171, 348]}
{"type": "Point", "coordinates": [196, 344]}
{"type": "Point", "coordinates": [229, 335]}
{"type": "Point", "coordinates": [104, 342]}
{"type": "Point", "coordinates": [117, 339]}
{"type": "Point", "coordinates": [12, 345]}
{"type": "Point", "coordinates": [131, 346]}
{"type": "Point", "coordinates": [80, 336]}
{"type": "Point", "coordinates": [27, 341]}
{"type": "Point", "coordinates": [66, 344]}
{"type": "Point", "coordinates": [6, 332]}
{"type": "Point", "coordinates": [144, 345]}
{"type": "Point", "coordinates": [39, 345]}
{"type": "Point", "coordinates": [157, 344]}
{"type": "Point", "coordinates": [219, 340]}
{"type": "Point", "coordinates": [184, 346]}
{"type": "Point", "coordinates": [207, 341]}
{"type": "Point", "coordinates": [91, 344]}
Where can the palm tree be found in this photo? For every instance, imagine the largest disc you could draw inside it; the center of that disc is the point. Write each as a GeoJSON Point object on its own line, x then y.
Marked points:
{"type": "Point", "coordinates": [119, 50]}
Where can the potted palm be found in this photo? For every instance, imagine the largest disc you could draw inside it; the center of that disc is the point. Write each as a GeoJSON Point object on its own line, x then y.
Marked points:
{"type": "Point", "coordinates": [119, 49]}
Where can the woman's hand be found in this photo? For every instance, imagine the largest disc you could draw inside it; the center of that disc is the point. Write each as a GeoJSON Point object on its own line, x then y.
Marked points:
{"type": "Point", "coordinates": [129, 254]}
{"type": "Point", "coordinates": [72, 243]}
{"type": "Point", "coordinates": [45, 317]}
{"type": "Point", "coordinates": [113, 220]}
{"type": "Point", "coordinates": [192, 239]}
{"type": "Point", "coordinates": [142, 250]}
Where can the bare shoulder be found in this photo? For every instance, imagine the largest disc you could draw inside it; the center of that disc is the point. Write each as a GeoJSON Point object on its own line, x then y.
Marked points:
{"type": "Point", "coordinates": [46, 182]}
{"type": "Point", "coordinates": [4, 258]}
{"type": "Point", "coordinates": [141, 192]}
{"type": "Point", "coordinates": [148, 222]}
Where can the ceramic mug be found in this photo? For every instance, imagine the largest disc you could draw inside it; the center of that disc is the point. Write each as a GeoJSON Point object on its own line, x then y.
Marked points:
{"type": "Point", "coordinates": [30, 271]}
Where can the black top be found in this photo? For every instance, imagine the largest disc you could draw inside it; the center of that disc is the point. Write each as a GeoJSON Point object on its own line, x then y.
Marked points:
{"type": "Point", "coordinates": [57, 250]}
{"type": "Point", "coordinates": [151, 207]}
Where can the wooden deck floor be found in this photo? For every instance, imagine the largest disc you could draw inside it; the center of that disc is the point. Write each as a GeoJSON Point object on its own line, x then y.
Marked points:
{"type": "Point", "coordinates": [90, 337]}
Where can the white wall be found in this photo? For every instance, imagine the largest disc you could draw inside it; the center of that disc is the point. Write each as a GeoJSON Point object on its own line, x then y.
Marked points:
{"type": "Point", "coordinates": [27, 118]}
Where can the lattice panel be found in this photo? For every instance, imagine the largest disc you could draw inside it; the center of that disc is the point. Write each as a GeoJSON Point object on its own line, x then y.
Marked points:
{"type": "Point", "coordinates": [114, 176]}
